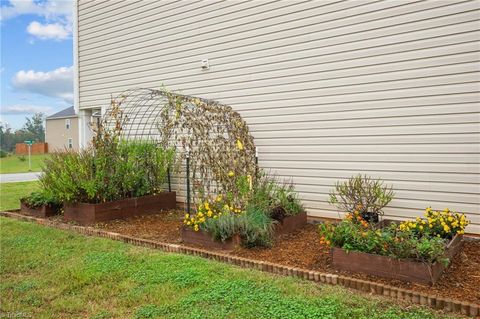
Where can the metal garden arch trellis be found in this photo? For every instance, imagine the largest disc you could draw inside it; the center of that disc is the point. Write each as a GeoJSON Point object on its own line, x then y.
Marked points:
{"type": "Point", "coordinates": [215, 137]}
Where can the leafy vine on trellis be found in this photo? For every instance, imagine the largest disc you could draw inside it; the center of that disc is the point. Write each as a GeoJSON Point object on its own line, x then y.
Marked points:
{"type": "Point", "coordinates": [217, 139]}
{"type": "Point", "coordinates": [221, 148]}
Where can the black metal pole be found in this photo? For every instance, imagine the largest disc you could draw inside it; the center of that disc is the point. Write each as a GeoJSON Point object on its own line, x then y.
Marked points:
{"type": "Point", "coordinates": [256, 163]}
{"type": "Point", "coordinates": [169, 180]}
{"type": "Point", "coordinates": [188, 181]}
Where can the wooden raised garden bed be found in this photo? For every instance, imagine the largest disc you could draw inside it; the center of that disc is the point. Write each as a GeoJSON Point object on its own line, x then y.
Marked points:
{"type": "Point", "coordinates": [287, 225]}
{"type": "Point", "coordinates": [201, 238]}
{"type": "Point", "coordinates": [291, 223]}
{"type": "Point", "coordinates": [389, 267]}
{"type": "Point", "coordinates": [88, 214]}
{"type": "Point", "coordinates": [41, 212]}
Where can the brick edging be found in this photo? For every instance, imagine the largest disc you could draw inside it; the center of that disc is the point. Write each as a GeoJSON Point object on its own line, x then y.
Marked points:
{"type": "Point", "coordinates": [433, 301]}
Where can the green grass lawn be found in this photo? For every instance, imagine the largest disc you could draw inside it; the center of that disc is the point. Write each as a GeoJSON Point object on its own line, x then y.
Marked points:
{"type": "Point", "coordinates": [10, 193]}
{"type": "Point", "coordinates": [48, 273]}
{"type": "Point", "coordinates": [13, 164]}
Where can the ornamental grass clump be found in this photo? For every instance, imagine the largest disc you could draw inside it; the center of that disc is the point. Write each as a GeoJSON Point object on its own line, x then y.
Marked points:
{"type": "Point", "coordinates": [422, 239]}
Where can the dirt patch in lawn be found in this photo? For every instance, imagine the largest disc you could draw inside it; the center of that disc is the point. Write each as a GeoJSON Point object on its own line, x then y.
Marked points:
{"type": "Point", "coordinates": [302, 249]}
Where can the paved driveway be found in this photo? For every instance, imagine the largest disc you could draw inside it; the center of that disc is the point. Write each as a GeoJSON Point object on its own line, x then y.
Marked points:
{"type": "Point", "coordinates": [19, 177]}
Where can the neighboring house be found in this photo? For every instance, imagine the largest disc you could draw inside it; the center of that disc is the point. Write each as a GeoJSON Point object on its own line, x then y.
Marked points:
{"type": "Point", "coordinates": [61, 131]}
{"type": "Point", "coordinates": [329, 88]}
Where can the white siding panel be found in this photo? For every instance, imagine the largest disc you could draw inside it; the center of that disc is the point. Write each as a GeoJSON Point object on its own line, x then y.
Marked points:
{"type": "Point", "coordinates": [329, 88]}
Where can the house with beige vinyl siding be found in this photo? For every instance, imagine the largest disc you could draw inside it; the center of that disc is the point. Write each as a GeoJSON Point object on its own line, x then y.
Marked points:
{"type": "Point", "coordinates": [61, 130]}
{"type": "Point", "coordinates": [329, 88]}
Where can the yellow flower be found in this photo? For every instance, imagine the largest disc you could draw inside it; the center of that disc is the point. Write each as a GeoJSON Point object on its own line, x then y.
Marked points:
{"type": "Point", "coordinates": [420, 227]}
{"type": "Point", "coordinates": [195, 228]}
{"type": "Point", "coordinates": [231, 173]}
{"type": "Point", "coordinates": [219, 198]}
{"type": "Point", "coordinates": [239, 145]}
{"type": "Point", "coordinates": [209, 213]}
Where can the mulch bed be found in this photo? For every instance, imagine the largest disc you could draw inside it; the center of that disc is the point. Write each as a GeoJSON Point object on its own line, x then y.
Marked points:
{"type": "Point", "coordinates": [302, 249]}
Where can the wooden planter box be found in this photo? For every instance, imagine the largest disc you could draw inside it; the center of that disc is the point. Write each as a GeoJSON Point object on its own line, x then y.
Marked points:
{"type": "Point", "coordinates": [88, 214]}
{"type": "Point", "coordinates": [291, 223]}
{"type": "Point", "coordinates": [288, 224]}
{"type": "Point", "coordinates": [41, 212]}
{"type": "Point", "coordinates": [201, 238]}
{"type": "Point", "coordinates": [388, 267]}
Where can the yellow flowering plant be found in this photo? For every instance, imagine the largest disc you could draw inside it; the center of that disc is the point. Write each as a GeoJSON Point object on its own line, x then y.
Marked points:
{"type": "Point", "coordinates": [210, 209]}
{"type": "Point", "coordinates": [443, 224]}
{"type": "Point", "coordinates": [355, 234]}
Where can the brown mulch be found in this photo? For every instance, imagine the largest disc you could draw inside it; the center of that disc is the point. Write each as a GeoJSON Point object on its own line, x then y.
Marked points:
{"type": "Point", "coordinates": [302, 249]}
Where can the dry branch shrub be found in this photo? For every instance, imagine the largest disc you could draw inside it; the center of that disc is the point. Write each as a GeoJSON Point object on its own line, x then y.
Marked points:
{"type": "Point", "coordinates": [219, 143]}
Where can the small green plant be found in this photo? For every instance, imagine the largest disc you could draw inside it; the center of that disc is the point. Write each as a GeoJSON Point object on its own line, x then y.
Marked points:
{"type": "Point", "coordinates": [363, 194]}
{"type": "Point", "coordinates": [3, 153]}
{"type": "Point", "coordinates": [39, 199]}
{"type": "Point", "coordinates": [22, 158]}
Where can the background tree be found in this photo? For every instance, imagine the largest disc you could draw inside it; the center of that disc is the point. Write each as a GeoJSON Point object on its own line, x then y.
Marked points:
{"type": "Point", "coordinates": [7, 138]}
{"type": "Point", "coordinates": [34, 127]}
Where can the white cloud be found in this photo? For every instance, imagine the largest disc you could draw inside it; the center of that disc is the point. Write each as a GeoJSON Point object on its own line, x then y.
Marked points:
{"type": "Point", "coordinates": [54, 31]}
{"type": "Point", "coordinates": [57, 83]}
{"type": "Point", "coordinates": [25, 109]}
{"type": "Point", "coordinates": [57, 15]}
{"type": "Point", "coordinates": [50, 9]}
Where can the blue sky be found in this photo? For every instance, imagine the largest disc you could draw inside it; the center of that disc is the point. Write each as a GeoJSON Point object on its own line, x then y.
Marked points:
{"type": "Point", "coordinates": [36, 58]}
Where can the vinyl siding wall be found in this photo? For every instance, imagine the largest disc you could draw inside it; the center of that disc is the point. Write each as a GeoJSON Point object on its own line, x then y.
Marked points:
{"type": "Point", "coordinates": [328, 88]}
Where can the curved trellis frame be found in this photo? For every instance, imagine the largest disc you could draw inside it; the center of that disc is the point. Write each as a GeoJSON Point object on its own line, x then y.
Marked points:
{"type": "Point", "coordinates": [217, 139]}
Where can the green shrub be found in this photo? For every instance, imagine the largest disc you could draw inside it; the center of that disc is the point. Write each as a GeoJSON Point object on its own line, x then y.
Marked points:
{"type": "Point", "coordinates": [22, 158]}
{"type": "Point", "coordinates": [3, 153]}
{"type": "Point", "coordinates": [362, 194]}
{"type": "Point", "coordinates": [39, 199]}
{"type": "Point", "coordinates": [126, 169]}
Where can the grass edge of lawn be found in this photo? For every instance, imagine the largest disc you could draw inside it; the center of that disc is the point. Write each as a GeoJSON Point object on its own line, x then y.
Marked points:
{"type": "Point", "coordinates": [12, 164]}
{"type": "Point", "coordinates": [10, 193]}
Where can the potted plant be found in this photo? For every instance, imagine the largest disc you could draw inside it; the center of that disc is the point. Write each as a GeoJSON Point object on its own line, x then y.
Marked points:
{"type": "Point", "coordinates": [362, 194]}
{"type": "Point", "coordinates": [40, 204]}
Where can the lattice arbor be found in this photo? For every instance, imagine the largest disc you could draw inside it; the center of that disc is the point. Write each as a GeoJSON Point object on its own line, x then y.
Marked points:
{"type": "Point", "coordinates": [217, 139]}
